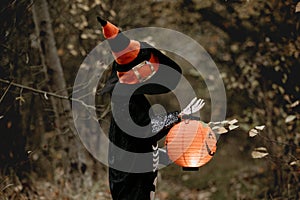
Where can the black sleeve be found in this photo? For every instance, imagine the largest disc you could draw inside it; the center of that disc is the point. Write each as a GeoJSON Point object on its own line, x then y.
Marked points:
{"type": "Point", "coordinates": [111, 82]}
{"type": "Point", "coordinates": [164, 75]}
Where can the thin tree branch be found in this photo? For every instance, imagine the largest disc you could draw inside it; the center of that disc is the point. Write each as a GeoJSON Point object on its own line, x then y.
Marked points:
{"type": "Point", "coordinates": [2, 97]}
{"type": "Point", "coordinates": [45, 93]}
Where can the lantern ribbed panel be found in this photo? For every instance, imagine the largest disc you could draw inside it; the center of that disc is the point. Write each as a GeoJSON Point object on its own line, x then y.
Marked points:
{"type": "Point", "coordinates": [189, 143]}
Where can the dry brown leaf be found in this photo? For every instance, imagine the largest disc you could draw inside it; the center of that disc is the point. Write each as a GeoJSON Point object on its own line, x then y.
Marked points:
{"type": "Point", "coordinates": [220, 130]}
{"type": "Point", "coordinates": [294, 163]}
{"type": "Point", "coordinates": [233, 121]}
{"type": "Point", "coordinates": [261, 149]}
{"type": "Point", "coordinates": [253, 132]}
{"type": "Point", "coordinates": [259, 152]}
{"type": "Point", "coordinates": [84, 36]}
{"type": "Point", "coordinates": [260, 128]}
{"type": "Point", "coordinates": [297, 7]}
{"type": "Point", "coordinates": [232, 127]}
{"type": "Point", "coordinates": [296, 103]}
{"type": "Point", "coordinates": [224, 122]}
{"type": "Point", "coordinates": [290, 118]}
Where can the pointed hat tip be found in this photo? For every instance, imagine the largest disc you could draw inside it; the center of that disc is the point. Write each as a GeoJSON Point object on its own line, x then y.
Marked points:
{"type": "Point", "coordinates": [101, 21]}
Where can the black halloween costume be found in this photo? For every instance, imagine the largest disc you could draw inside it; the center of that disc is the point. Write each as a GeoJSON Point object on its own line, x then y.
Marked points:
{"type": "Point", "coordinates": [131, 185]}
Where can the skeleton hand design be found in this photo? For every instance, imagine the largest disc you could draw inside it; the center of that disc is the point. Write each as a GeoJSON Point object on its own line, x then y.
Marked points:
{"type": "Point", "coordinates": [194, 106]}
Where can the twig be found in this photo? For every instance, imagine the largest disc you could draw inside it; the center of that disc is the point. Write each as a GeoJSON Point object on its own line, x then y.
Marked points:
{"type": "Point", "coordinates": [10, 83]}
{"type": "Point", "coordinates": [45, 93]}
{"type": "Point", "coordinates": [7, 186]}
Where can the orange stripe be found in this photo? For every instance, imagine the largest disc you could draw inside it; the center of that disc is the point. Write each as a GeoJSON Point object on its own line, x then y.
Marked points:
{"type": "Point", "coordinates": [110, 31]}
{"type": "Point", "coordinates": [128, 54]}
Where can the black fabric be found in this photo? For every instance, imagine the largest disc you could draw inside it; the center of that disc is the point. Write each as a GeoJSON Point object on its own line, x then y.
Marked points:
{"type": "Point", "coordinates": [111, 82]}
{"type": "Point", "coordinates": [125, 185]}
{"type": "Point", "coordinates": [101, 21]}
{"type": "Point", "coordinates": [130, 186]}
{"type": "Point", "coordinates": [138, 109]}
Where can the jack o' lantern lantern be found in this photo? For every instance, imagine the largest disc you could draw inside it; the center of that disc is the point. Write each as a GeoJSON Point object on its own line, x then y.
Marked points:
{"type": "Point", "coordinates": [191, 144]}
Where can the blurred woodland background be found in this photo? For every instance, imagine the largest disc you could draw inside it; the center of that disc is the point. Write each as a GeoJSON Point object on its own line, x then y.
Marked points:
{"type": "Point", "coordinates": [255, 44]}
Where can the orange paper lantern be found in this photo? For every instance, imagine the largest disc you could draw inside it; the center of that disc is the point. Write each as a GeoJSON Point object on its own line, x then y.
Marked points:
{"type": "Point", "coordinates": [191, 144]}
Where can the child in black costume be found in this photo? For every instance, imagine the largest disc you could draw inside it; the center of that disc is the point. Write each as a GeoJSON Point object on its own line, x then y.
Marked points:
{"type": "Point", "coordinates": [138, 69]}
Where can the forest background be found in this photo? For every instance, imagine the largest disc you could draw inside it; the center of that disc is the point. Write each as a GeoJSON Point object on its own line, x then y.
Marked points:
{"type": "Point", "coordinates": [255, 44]}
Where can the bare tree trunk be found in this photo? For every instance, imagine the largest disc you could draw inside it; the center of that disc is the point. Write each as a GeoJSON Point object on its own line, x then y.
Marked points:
{"type": "Point", "coordinates": [62, 108]}
{"type": "Point", "coordinates": [51, 61]}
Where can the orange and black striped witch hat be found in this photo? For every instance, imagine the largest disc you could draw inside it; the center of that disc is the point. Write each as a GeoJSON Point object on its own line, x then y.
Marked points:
{"type": "Point", "coordinates": [135, 61]}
